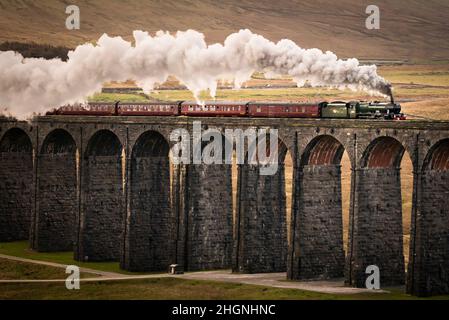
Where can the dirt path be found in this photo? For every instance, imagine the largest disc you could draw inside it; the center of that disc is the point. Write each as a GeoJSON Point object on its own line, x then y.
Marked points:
{"type": "Point", "coordinates": [276, 280]}
{"type": "Point", "coordinates": [60, 265]}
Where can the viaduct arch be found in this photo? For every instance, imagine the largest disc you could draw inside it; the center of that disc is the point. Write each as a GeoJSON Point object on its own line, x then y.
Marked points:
{"type": "Point", "coordinates": [16, 185]}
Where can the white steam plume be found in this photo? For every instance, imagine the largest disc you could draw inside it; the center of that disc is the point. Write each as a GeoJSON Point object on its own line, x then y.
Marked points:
{"type": "Point", "coordinates": [30, 86]}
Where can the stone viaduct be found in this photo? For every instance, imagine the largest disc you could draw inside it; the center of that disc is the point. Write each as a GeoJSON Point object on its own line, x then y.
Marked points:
{"type": "Point", "coordinates": [107, 189]}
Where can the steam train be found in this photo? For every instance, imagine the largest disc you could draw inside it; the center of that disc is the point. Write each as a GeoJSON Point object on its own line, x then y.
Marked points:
{"type": "Point", "coordinates": [330, 110]}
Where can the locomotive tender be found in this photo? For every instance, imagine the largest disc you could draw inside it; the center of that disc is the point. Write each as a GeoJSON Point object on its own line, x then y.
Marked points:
{"type": "Point", "coordinates": [328, 110]}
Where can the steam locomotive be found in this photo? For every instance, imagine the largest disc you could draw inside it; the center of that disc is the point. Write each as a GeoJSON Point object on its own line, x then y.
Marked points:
{"type": "Point", "coordinates": [329, 110]}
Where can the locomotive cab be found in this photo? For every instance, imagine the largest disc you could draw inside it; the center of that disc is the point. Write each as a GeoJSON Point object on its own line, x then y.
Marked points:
{"type": "Point", "coordinates": [379, 110]}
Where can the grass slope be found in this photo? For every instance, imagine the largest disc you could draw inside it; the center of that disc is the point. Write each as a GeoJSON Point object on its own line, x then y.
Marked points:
{"type": "Point", "coordinates": [17, 270]}
{"type": "Point", "coordinates": [410, 29]}
{"type": "Point", "coordinates": [21, 249]}
{"type": "Point", "coordinates": [180, 289]}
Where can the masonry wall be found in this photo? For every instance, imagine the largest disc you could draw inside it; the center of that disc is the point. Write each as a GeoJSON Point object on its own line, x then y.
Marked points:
{"type": "Point", "coordinates": [318, 248]}
{"type": "Point", "coordinates": [102, 222]}
{"type": "Point", "coordinates": [429, 274]}
{"type": "Point", "coordinates": [179, 194]}
{"type": "Point", "coordinates": [208, 225]}
{"type": "Point", "coordinates": [261, 240]}
{"type": "Point", "coordinates": [16, 188]}
{"type": "Point", "coordinates": [150, 239]}
{"type": "Point", "coordinates": [57, 202]}
{"type": "Point", "coordinates": [376, 227]}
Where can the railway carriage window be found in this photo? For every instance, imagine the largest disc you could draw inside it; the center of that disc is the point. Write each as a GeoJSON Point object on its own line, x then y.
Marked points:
{"type": "Point", "coordinates": [303, 110]}
{"type": "Point", "coordinates": [286, 109]}
{"type": "Point", "coordinates": [258, 109]}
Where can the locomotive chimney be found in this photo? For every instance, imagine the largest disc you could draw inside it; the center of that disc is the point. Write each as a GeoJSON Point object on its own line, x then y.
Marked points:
{"type": "Point", "coordinates": [390, 93]}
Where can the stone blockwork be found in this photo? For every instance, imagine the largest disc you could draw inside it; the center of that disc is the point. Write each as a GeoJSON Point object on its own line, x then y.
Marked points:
{"type": "Point", "coordinates": [376, 227]}
{"type": "Point", "coordinates": [149, 239]}
{"type": "Point", "coordinates": [57, 194]}
{"type": "Point", "coordinates": [16, 185]}
{"type": "Point", "coordinates": [318, 251]}
{"type": "Point", "coordinates": [103, 211]}
{"type": "Point", "coordinates": [16, 181]}
{"type": "Point", "coordinates": [428, 272]}
{"type": "Point", "coordinates": [57, 202]}
{"type": "Point", "coordinates": [208, 223]}
{"type": "Point", "coordinates": [261, 236]}
{"type": "Point", "coordinates": [113, 221]}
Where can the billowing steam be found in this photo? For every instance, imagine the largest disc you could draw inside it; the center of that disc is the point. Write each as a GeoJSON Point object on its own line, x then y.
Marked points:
{"type": "Point", "coordinates": [29, 86]}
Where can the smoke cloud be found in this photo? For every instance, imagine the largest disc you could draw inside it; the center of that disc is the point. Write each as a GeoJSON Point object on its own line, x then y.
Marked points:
{"type": "Point", "coordinates": [33, 86]}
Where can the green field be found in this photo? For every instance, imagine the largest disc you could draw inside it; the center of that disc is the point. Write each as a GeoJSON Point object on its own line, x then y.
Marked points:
{"type": "Point", "coordinates": [17, 270]}
{"type": "Point", "coordinates": [155, 288]}
{"type": "Point", "coordinates": [21, 249]}
{"type": "Point", "coordinates": [174, 289]}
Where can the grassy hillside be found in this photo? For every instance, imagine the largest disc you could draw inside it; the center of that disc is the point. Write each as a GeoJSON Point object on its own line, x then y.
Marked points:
{"type": "Point", "coordinates": [410, 29]}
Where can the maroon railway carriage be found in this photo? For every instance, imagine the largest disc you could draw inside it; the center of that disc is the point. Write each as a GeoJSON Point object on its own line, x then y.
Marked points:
{"type": "Point", "coordinates": [214, 109]}
{"type": "Point", "coordinates": [149, 109]}
{"type": "Point", "coordinates": [284, 110]}
{"type": "Point", "coordinates": [71, 110]}
{"type": "Point", "coordinates": [92, 109]}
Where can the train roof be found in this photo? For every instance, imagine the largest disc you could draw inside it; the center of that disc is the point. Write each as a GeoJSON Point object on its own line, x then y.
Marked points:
{"type": "Point", "coordinates": [240, 103]}
{"type": "Point", "coordinates": [149, 103]}
{"type": "Point", "coordinates": [280, 103]}
{"type": "Point", "coordinates": [216, 103]}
